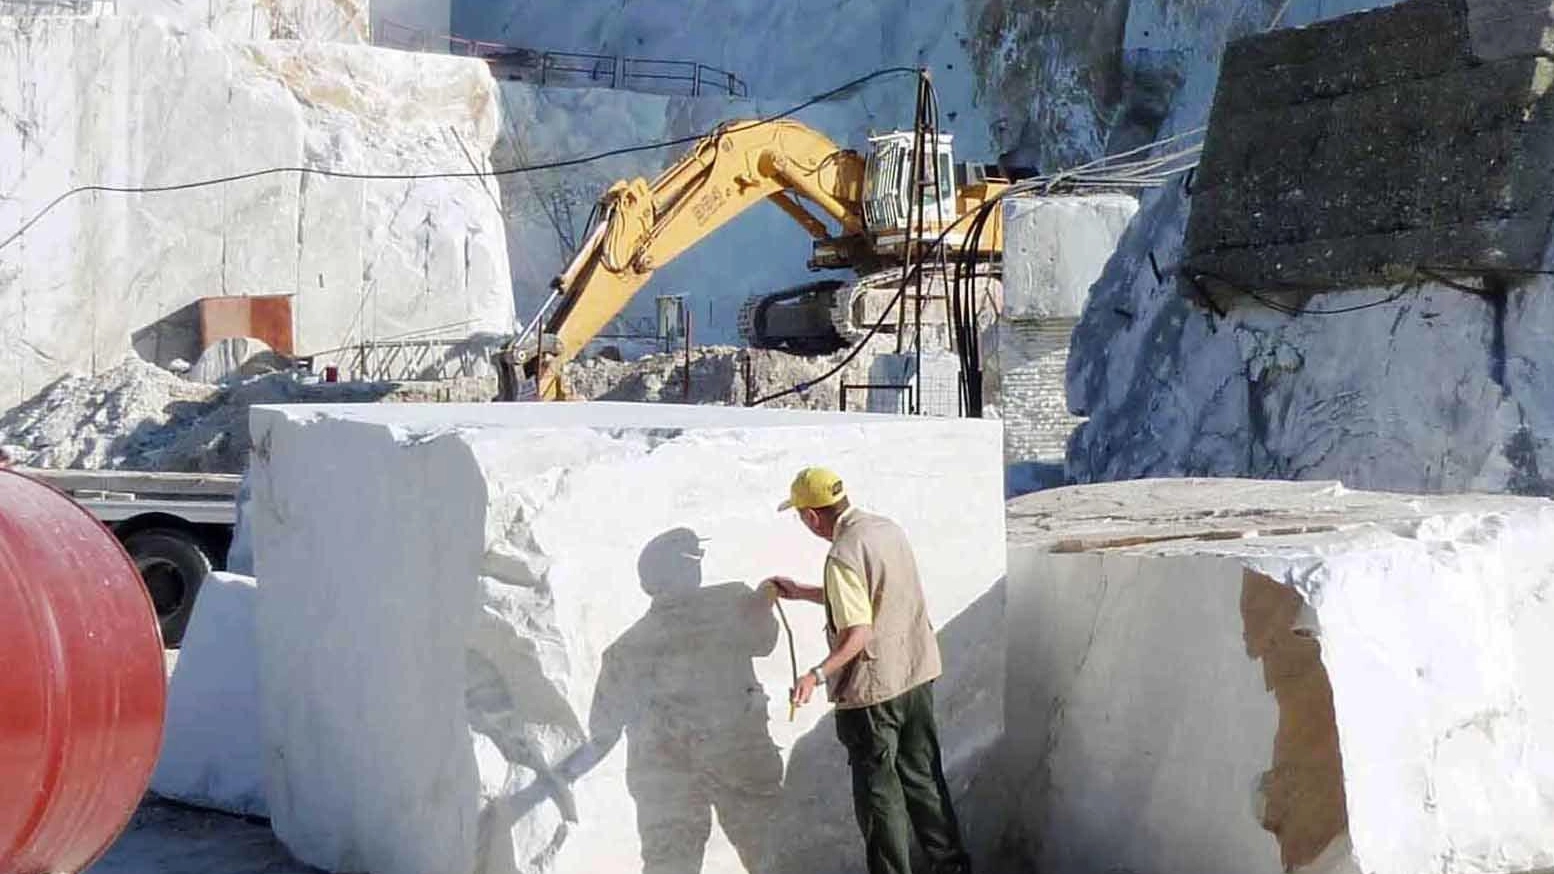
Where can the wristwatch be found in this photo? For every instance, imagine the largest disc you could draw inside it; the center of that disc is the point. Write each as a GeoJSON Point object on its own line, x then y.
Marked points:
{"type": "Point", "coordinates": [818, 674]}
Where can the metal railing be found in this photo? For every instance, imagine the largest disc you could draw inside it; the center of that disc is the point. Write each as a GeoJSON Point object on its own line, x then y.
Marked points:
{"type": "Point", "coordinates": [426, 359]}
{"type": "Point", "coordinates": [580, 69]}
{"type": "Point", "coordinates": [878, 398]}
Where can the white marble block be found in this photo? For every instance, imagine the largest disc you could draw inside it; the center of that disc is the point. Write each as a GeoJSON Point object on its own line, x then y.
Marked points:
{"type": "Point", "coordinates": [1055, 248]}
{"type": "Point", "coordinates": [210, 747]}
{"type": "Point", "coordinates": [502, 638]}
{"type": "Point", "coordinates": [1241, 677]}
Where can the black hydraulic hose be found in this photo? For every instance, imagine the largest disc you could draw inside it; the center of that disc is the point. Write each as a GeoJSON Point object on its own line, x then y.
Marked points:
{"type": "Point", "coordinates": [793, 658]}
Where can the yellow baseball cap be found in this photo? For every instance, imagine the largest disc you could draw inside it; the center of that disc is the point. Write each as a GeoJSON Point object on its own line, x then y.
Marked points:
{"type": "Point", "coordinates": [813, 488]}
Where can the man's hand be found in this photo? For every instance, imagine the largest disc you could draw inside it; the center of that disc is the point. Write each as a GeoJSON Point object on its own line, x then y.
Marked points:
{"type": "Point", "coordinates": [801, 693]}
{"type": "Point", "coordinates": [787, 588]}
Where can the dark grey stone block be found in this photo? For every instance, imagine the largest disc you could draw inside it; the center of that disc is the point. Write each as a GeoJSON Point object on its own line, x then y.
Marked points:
{"type": "Point", "coordinates": [1353, 168]}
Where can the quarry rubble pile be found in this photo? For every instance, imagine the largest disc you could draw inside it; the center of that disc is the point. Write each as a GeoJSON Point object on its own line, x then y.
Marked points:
{"type": "Point", "coordinates": [137, 416]}
{"type": "Point", "coordinates": [717, 377]}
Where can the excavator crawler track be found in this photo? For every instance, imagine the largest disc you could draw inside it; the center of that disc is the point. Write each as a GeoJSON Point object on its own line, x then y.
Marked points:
{"type": "Point", "coordinates": [823, 317]}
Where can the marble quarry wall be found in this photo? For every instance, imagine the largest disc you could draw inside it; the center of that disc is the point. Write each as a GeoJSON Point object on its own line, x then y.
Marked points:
{"type": "Point", "coordinates": [330, 20]}
{"type": "Point", "coordinates": [505, 638]}
{"type": "Point", "coordinates": [1244, 677]}
{"type": "Point", "coordinates": [784, 52]}
{"type": "Point", "coordinates": [141, 102]}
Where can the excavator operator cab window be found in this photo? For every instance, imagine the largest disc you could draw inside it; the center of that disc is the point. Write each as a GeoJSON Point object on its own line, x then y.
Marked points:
{"type": "Point", "coordinates": [946, 190]}
{"type": "Point", "coordinates": [888, 182]}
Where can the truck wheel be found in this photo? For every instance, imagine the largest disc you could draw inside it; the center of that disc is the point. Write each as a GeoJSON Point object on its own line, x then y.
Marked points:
{"type": "Point", "coordinates": [172, 564]}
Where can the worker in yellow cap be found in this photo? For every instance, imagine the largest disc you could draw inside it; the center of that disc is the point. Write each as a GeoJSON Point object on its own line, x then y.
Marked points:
{"type": "Point", "coordinates": [879, 674]}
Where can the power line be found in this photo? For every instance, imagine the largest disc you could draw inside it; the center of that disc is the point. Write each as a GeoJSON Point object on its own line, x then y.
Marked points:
{"type": "Point", "coordinates": [1289, 310]}
{"type": "Point", "coordinates": [455, 174]}
{"type": "Point", "coordinates": [1435, 273]}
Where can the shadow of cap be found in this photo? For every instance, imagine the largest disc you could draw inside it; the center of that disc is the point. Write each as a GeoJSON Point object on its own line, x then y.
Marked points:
{"type": "Point", "coordinates": [671, 562]}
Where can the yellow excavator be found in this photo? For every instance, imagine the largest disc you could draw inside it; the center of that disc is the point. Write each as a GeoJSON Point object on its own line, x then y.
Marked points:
{"type": "Point", "coordinates": [861, 225]}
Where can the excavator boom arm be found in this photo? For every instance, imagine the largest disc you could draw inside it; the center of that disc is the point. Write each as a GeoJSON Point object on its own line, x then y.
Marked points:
{"type": "Point", "coordinates": [644, 226]}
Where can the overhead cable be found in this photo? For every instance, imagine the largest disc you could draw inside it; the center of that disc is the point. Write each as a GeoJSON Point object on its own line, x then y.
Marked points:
{"type": "Point", "coordinates": [451, 174]}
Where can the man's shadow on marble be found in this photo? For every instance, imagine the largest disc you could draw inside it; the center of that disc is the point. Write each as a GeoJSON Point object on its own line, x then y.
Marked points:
{"type": "Point", "coordinates": [680, 686]}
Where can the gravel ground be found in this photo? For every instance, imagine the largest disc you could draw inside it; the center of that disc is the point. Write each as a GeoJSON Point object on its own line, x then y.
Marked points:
{"type": "Point", "coordinates": [165, 838]}
{"type": "Point", "coordinates": [169, 838]}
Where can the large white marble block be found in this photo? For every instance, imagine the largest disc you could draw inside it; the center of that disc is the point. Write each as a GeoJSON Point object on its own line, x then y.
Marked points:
{"type": "Point", "coordinates": [1241, 677]}
{"type": "Point", "coordinates": [504, 638]}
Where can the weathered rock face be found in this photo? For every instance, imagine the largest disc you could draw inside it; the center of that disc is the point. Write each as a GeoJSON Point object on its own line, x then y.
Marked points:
{"type": "Point", "coordinates": [1075, 79]}
{"type": "Point", "coordinates": [507, 638]}
{"type": "Point", "coordinates": [1049, 84]}
{"type": "Point", "coordinates": [1234, 676]}
{"type": "Point", "coordinates": [1437, 391]}
{"type": "Point", "coordinates": [364, 259]}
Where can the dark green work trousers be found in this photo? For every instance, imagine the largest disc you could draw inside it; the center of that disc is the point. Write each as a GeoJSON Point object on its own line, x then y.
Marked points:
{"type": "Point", "coordinates": [898, 784]}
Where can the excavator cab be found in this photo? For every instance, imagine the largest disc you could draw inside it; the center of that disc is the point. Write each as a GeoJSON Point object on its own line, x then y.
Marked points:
{"type": "Point", "coordinates": [887, 194]}
{"type": "Point", "coordinates": [887, 187]}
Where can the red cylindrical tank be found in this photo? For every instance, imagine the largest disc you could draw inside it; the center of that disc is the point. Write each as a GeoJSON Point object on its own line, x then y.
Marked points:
{"type": "Point", "coordinates": [82, 683]}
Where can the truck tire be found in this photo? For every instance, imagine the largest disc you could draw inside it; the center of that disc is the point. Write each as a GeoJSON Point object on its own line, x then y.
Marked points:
{"type": "Point", "coordinates": [172, 565]}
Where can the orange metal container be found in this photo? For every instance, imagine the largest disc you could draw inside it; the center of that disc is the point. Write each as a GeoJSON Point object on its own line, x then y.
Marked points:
{"type": "Point", "coordinates": [82, 683]}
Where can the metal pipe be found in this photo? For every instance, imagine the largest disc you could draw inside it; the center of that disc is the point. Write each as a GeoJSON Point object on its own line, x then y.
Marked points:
{"type": "Point", "coordinates": [687, 311]}
{"type": "Point", "coordinates": [538, 317]}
